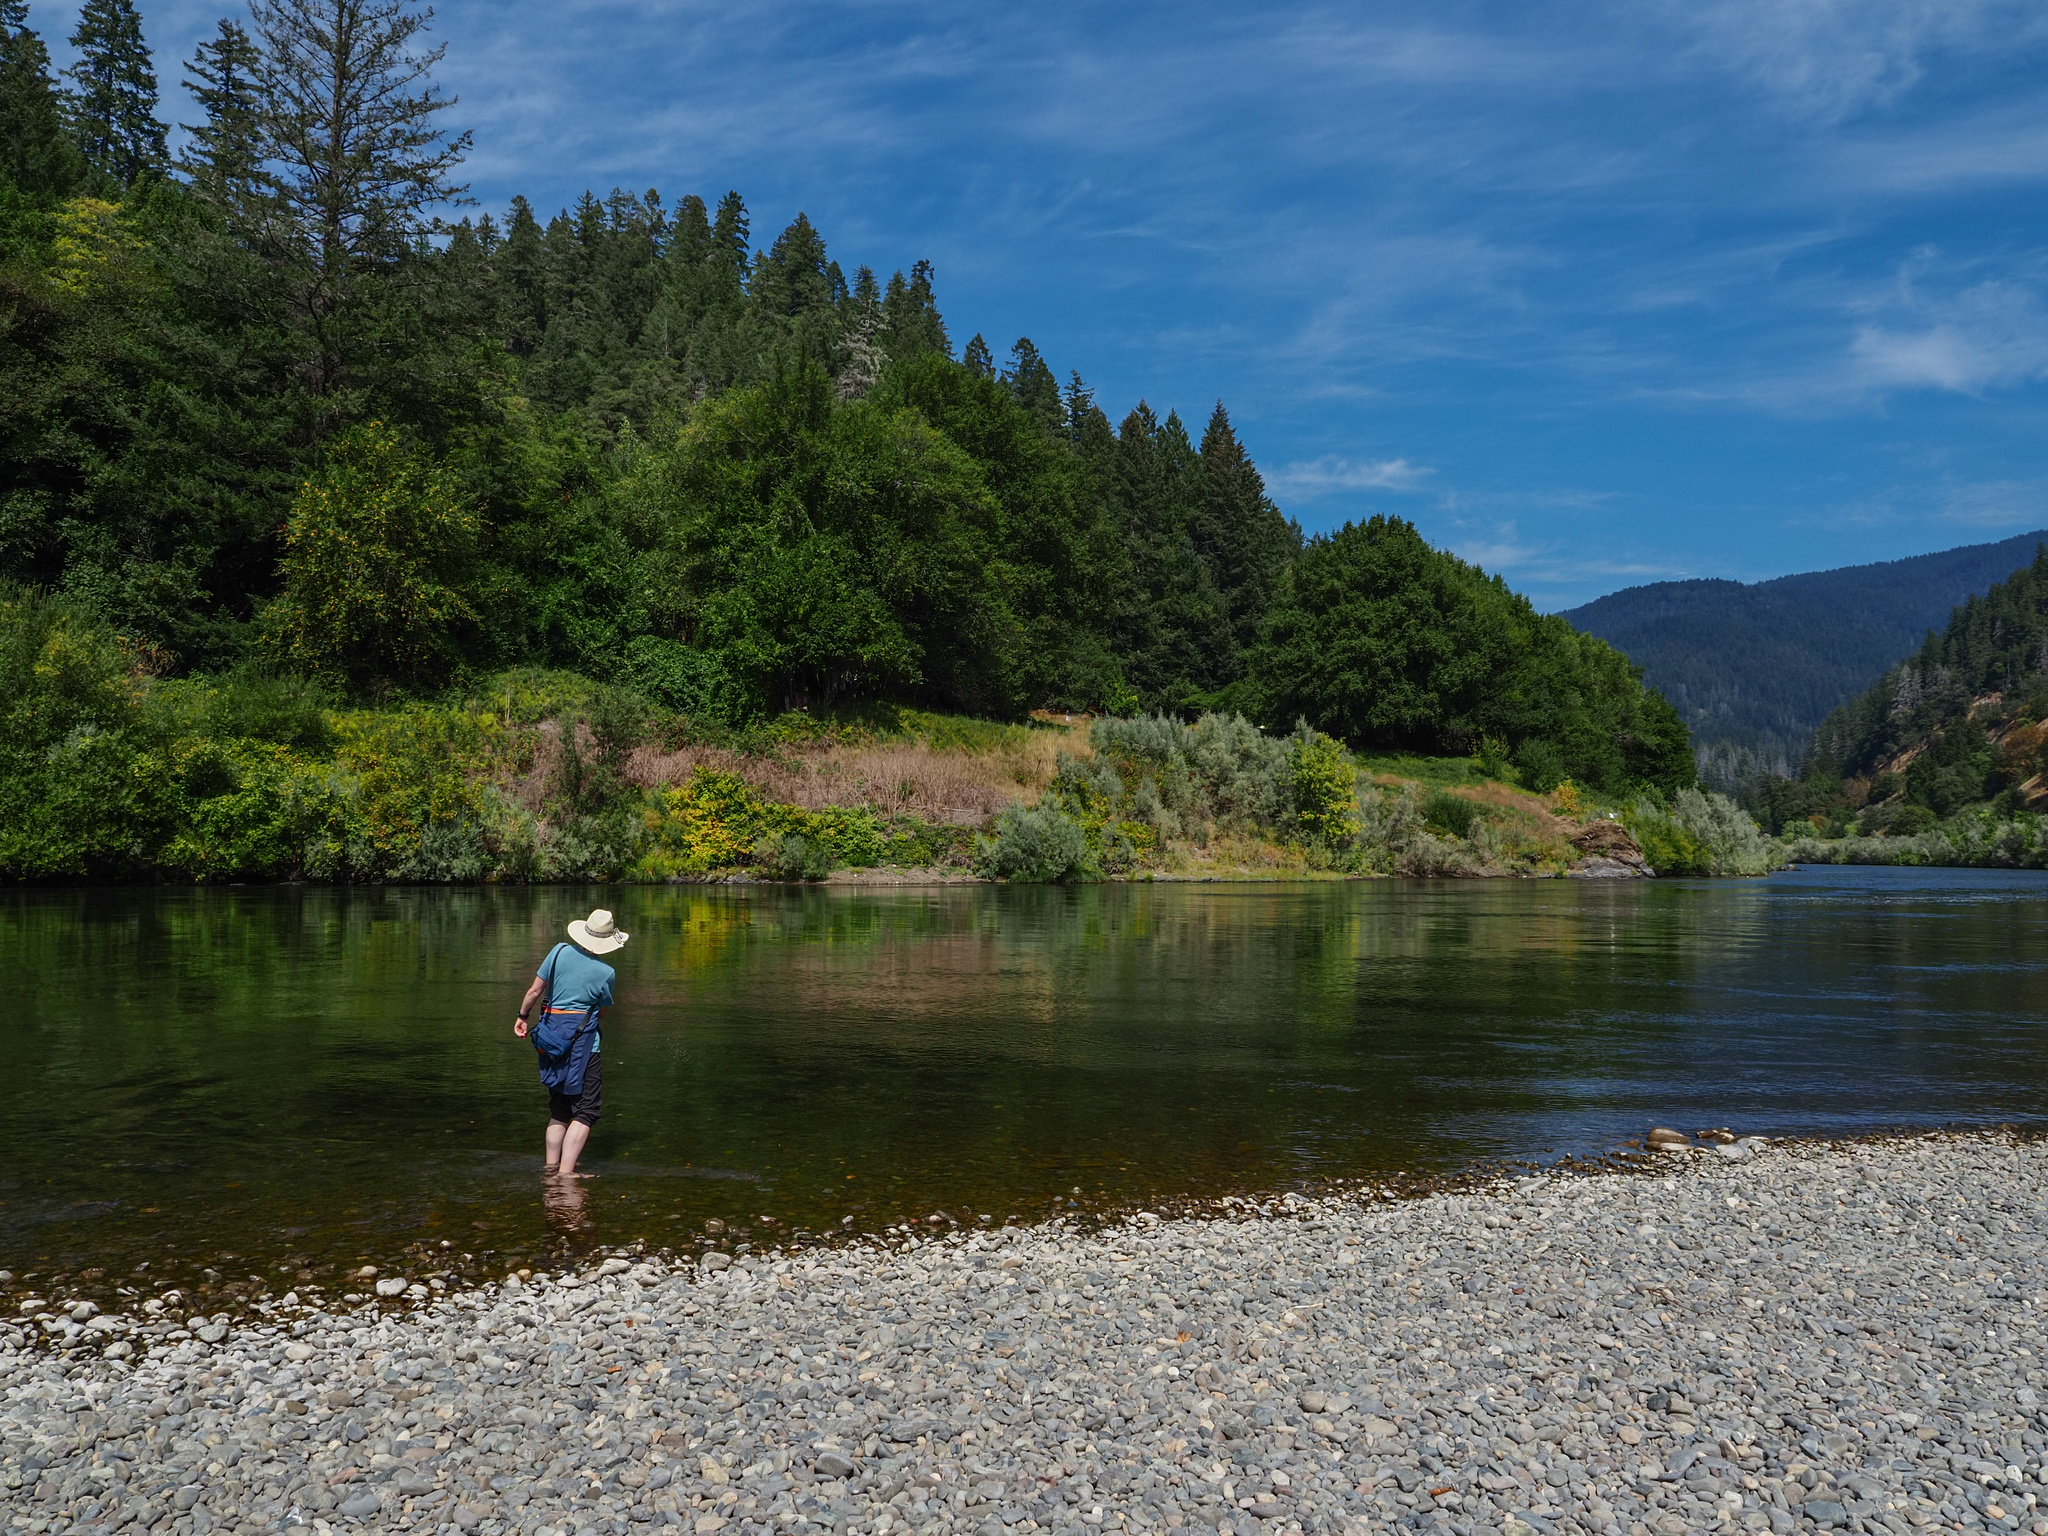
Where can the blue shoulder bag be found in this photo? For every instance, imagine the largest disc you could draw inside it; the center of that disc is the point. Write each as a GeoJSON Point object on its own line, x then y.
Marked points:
{"type": "Point", "coordinates": [562, 1037]}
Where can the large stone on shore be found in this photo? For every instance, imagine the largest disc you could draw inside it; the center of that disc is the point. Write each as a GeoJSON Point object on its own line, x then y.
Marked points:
{"type": "Point", "coordinates": [1608, 852]}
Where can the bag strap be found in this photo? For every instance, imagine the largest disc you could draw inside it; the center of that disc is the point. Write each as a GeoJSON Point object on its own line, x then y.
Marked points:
{"type": "Point", "coordinates": [547, 972]}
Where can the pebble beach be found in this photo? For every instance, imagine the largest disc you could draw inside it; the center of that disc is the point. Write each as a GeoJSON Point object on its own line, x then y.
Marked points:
{"type": "Point", "coordinates": [1746, 1337]}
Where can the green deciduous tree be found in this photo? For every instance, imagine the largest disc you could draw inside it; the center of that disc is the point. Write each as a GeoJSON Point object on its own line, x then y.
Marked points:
{"type": "Point", "coordinates": [1378, 638]}
{"type": "Point", "coordinates": [835, 552]}
{"type": "Point", "coordinates": [376, 562]}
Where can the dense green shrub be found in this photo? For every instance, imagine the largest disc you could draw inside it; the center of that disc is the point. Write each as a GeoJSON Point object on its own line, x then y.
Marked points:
{"type": "Point", "coordinates": [689, 681]}
{"type": "Point", "coordinates": [1452, 815]}
{"type": "Point", "coordinates": [1912, 820]}
{"type": "Point", "coordinates": [1034, 845]}
{"type": "Point", "coordinates": [1323, 786]}
{"type": "Point", "coordinates": [850, 835]}
{"type": "Point", "coordinates": [792, 856]}
{"type": "Point", "coordinates": [75, 798]}
{"type": "Point", "coordinates": [1700, 834]}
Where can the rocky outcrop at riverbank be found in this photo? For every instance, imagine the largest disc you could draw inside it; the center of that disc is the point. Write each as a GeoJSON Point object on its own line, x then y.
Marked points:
{"type": "Point", "coordinates": [1844, 1337]}
{"type": "Point", "coordinates": [1607, 852]}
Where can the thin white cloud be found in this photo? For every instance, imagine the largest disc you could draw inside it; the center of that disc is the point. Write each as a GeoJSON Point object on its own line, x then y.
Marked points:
{"type": "Point", "coordinates": [1997, 504]}
{"type": "Point", "coordinates": [1321, 477]}
{"type": "Point", "coordinates": [1833, 59]}
{"type": "Point", "coordinates": [1558, 573]}
{"type": "Point", "coordinates": [1990, 335]}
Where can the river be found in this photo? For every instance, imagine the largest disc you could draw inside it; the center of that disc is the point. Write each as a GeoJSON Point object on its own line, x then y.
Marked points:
{"type": "Point", "coordinates": [257, 1087]}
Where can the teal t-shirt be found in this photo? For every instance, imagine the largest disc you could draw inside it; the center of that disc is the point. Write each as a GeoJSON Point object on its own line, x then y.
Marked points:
{"type": "Point", "coordinates": [580, 981]}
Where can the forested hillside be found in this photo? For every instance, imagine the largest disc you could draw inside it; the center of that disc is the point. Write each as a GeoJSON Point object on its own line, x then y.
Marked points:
{"type": "Point", "coordinates": [1754, 668]}
{"type": "Point", "coordinates": [266, 413]}
{"type": "Point", "coordinates": [1956, 728]}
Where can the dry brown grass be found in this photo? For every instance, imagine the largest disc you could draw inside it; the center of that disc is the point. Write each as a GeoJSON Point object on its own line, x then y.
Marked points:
{"type": "Point", "coordinates": [891, 777]}
{"type": "Point", "coordinates": [1233, 855]}
{"type": "Point", "coordinates": [1540, 817]}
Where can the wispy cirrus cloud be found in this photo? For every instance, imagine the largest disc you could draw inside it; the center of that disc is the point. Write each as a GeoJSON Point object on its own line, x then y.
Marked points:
{"type": "Point", "coordinates": [1998, 504]}
{"type": "Point", "coordinates": [1321, 477]}
{"type": "Point", "coordinates": [1831, 59]}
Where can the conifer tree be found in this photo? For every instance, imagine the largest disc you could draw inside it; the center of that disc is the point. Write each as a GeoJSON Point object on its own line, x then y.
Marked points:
{"type": "Point", "coordinates": [36, 154]}
{"type": "Point", "coordinates": [519, 265]}
{"type": "Point", "coordinates": [351, 137]}
{"type": "Point", "coordinates": [911, 325]}
{"type": "Point", "coordinates": [728, 253]}
{"type": "Point", "coordinates": [113, 111]}
{"type": "Point", "coordinates": [689, 233]}
{"type": "Point", "coordinates": [1079, 399]}
{"type": "Point", "coordinates": [1033, 386]}
{"type": "Point", "coordinates": [862, 359]}
{"type": "Point", "coordinates": [223, 158]}
{"type": "Point", "coordinates": [791, 277]}
{"type": "Point", "coordinates": [978, 360]}
{"type": "Point", "coordinates": [350, 122]}
{"type": "Point", "coordinates": [1243, 539]}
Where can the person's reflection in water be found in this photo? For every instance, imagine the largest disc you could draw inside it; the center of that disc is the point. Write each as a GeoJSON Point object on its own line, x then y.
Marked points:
{"type": "Point", "coordinates": [562, 1201]}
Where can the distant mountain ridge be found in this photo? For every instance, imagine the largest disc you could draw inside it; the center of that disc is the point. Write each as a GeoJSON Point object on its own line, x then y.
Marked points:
{"type": "Point", "coordinates": [1754, 668]}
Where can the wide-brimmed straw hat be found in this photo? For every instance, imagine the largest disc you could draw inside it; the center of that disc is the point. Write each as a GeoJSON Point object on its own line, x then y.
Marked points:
{"type": "Point", "coordinates": [598, 933]}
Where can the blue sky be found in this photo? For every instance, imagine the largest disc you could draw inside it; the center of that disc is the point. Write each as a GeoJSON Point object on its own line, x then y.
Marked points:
{"type": "Point", "coordinates": [1595, 294]}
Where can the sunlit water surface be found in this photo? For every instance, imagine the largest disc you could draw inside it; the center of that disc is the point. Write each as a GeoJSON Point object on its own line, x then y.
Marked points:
{"type": "Point", "coordinates": [281, 1082]}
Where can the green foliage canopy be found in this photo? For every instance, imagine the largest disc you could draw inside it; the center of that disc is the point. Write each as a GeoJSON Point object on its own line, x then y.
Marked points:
{"type": "Point", "coordinates": [1380, 639]}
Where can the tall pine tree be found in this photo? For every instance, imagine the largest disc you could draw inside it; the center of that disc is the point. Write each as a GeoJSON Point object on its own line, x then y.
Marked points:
{"type": "Point", "coordinates": [351, 137]}
{"type": "Point", "coordinates": [1033, 385]}
{"type": "Point", "coordinates": [113, 111]}
{"type": "Point", "coordinates": [1243, 539]}
{"type": "Point", "coordinates": [223, 158]}
{"type": "Point", "coordinates": [911, 324]}
{"type": "Point", "coordinates": [36, 154]}
{"type": "Point", "coordinates": [1173, 634]}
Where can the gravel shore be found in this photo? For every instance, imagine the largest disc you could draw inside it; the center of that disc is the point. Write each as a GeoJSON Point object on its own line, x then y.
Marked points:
{"type": "Point", "coordinates": [1743, 1338]}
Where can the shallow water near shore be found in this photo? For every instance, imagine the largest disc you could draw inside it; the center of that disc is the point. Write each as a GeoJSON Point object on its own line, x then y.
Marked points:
{"type": "Point", "coordinates": [276, 1083]}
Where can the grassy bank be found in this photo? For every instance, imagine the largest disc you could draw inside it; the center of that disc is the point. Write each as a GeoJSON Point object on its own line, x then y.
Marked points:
{"type": "Point", "coordinates": [108, 772]}
{"type": "Point", "coordinates": [1979, 838]}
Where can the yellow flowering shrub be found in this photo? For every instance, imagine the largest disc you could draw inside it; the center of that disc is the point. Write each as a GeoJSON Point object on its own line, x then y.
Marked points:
{"type": "Point", "coordinates": [714, 821]}
{"type": "Point", "coordinates": [718, 820]}
{"type": "Point", "coordinates": [403, 771]}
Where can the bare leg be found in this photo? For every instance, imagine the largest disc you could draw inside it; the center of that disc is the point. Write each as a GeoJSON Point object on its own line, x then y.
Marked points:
{"type": "Point", "coordinates": [576, 1134]}
{"type": "Point", "coordinates": [554, 1152]}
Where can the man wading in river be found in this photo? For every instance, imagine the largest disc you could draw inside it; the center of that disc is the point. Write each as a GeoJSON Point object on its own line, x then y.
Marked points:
{"type": "Point", "coordinates": [573, 987]}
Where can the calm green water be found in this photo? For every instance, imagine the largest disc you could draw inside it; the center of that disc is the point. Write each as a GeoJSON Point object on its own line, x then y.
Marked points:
{"type": "Point", "coordinates": [255, 1078]}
